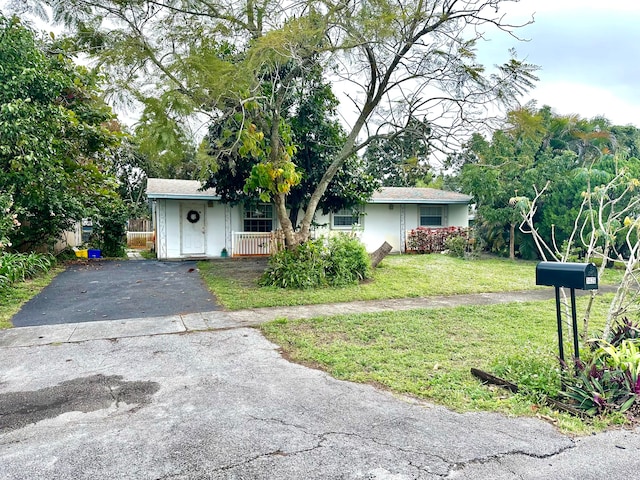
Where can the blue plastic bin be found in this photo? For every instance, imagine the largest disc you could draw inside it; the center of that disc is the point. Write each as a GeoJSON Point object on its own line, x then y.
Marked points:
{"type": "Point", "coordinates": [93, 253]}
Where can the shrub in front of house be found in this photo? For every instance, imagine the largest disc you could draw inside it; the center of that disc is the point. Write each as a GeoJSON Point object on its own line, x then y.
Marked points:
{"type": "Point", "coordinates": [348, 261]}
{"type": "Point", "coordinates": [301, 267]}
{"type": "Point", "coordinates": [340, 261]}
{"type": "Point", "coordinates": [433, 240]}
{"type": "Point", "coordinates": [456, 246]}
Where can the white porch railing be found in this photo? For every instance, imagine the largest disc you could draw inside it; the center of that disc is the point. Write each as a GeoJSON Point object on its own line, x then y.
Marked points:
{"type": "Point", "coordinates": [255, 243]}
{"type": "Point", "coordinates": [139, 239]}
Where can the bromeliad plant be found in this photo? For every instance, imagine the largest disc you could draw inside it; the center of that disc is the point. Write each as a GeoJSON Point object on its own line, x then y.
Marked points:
{"type": "Point", "coordinates": [610, 380]}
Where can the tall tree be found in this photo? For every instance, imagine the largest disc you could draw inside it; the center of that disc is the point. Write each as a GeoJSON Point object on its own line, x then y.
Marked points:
{"type": "Point", "coordinates": [401, 60]}
{"type": "Point", "coordinates": [53, 137]}
{"type": "Point", "coordinates": [317, 135]}
{"type": "Point", "coordinates": [401, 160]}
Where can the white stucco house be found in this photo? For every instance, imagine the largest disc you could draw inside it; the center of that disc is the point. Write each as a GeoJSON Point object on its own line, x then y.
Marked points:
{"type": "Point", "coordinates": [191, 223]}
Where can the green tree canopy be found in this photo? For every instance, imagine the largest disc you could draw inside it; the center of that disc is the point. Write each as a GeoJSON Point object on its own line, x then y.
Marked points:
{"type": "Point", "coordinates": [317, 135]}
{"type": "Point", "coordinates": [536, 148]}
{"type": "Point", "coordinates": [53, 136]}
{"type": "Point", "coordinates": [401, 160]}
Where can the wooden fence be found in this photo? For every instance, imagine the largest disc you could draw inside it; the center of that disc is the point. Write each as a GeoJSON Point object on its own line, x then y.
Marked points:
{"type": "Point", "coordinates": [138, 225]}
{"type": "Point", "coordinates": [139, 239]}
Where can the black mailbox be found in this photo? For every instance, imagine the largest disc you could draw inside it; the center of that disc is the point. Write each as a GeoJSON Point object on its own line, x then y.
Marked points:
{"type": "Point", "coordinates": [583, 276]}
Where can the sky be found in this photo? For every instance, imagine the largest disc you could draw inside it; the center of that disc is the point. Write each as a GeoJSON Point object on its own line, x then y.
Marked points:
{"type": "Point", "coordinates": [588, 52]}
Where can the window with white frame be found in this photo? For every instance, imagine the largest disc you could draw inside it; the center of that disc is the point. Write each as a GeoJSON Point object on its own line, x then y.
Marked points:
{"type": "Point", "coordinates": [347, 218]}
{"type": "Point", "coordinates": [258, 218]}
{"type": "Point", "coordinates": [432, 216]}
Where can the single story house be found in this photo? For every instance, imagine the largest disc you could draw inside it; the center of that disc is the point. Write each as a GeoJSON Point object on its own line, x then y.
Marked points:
{"type": "Point", "coordinates": [192, 223]}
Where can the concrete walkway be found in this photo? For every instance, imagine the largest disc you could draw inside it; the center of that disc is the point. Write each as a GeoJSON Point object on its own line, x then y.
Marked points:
{"type": "Point", "coordinates": [217, 320]}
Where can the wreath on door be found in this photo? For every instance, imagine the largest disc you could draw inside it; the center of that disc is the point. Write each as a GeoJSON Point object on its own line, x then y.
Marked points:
{"type": "Point", "coordinates": [193, 216]}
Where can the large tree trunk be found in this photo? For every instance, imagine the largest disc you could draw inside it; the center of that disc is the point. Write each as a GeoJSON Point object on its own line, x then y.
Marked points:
{"type": "Point", "coordinates": [293, 216]}
{"type": "Point", "coordinates": [377, 256]}
{"type": "Point", "coordinates": [346, 150]}
{"type": "Point", "coordinates": [290, 238]}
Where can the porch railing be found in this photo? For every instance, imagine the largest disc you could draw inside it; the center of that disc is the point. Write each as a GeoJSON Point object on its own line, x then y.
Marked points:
{"type": "Point", "coordinates": [248, 244]}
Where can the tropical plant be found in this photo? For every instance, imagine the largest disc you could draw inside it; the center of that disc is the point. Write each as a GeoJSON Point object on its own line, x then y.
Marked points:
{"type": "Point", "coordinates": [18, 267]}
{"type": "Point", "coordinates": [609, 382]}
{"type": "Point", "coordinates": [339, 261]}
{"type": "Point", "coordinates": [624, 329]}
{"type": "Point", "coordinates": [347, 261]}
{"type": "Point", "coordinates": [301, 267]}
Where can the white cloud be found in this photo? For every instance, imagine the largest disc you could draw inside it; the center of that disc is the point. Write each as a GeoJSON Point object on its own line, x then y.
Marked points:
{"type": "Point", "coordinates": [588, 52]}
{"type": "Point", "coordinates": [587, 101]}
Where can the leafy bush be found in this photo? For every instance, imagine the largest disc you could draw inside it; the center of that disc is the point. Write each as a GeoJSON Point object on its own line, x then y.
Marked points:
{"type": "Point", "coordinates": [18, 267]}
{"type": "Point", "coordinates": [302, 267]}
{"type": "Point", "coordinates": [457, 246]}
{"type": "Point", "coordinates": [348, 261]}
{"type": "Point", "coordinates": [111, 233]}
{"type": "Point", "coordinates": [430, 240]}
{"type": "Point", "coordinates": [342, 261]}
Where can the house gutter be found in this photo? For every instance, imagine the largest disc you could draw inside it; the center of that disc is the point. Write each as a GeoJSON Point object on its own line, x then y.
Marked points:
{"type": "Point", "coordinates": [181, 196]}
{"type": "Point", "coordinates": [421, 201]}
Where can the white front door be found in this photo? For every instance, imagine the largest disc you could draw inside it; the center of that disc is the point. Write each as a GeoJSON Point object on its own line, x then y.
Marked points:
{"type": "Point", "coordinates": [192, 226]}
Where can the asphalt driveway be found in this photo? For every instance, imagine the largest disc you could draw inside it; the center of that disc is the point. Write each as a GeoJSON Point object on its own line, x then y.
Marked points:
{"type": "Point", "coordinates": [113, 290]}
{"type": "Point", "coordinates": [225, 405]}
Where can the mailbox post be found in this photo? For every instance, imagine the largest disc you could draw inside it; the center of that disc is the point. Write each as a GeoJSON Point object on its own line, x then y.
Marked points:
{"type": "Point", "coordinates": [583, 276]}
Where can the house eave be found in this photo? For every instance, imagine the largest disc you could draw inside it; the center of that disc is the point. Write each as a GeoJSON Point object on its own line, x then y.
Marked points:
{"type": "Point", "coordinates": [421, 201]}
{"type": "Point", "coordinates": [181, 196]}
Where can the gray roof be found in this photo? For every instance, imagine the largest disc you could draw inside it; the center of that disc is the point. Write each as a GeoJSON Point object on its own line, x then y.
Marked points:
{"type": "Point", "coordinates": [190, 189]}
{"type": "Point", "coordinates": [169, 188]}
{"type": "Point", "coordinates": [417, 195]}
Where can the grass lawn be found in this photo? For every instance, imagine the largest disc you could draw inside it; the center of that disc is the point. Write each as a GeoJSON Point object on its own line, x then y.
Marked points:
{"type": "Point", "coordinates": [235, 281]}
{"type": "Point", "coordinates": [429, 354]}
{"type": "Point", "coordinates": [12, 299]}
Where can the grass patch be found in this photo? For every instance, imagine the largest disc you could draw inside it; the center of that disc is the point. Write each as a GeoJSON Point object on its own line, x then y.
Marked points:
{"type": "Point", "coordinates": [398, 276]}
{"type": "Point", "coordinates": [12, 298]}
{"type": "Point", "coordinates": [429, 353]}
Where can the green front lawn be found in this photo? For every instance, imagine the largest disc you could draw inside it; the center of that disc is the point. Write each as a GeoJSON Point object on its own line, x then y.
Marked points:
{"type": "Point", "coordinates": [429, 353]}
{"type": "Point", "coordinates": [398, 276]}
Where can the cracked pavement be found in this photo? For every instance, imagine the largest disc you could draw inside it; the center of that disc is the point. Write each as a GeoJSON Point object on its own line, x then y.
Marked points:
{"type": "Point", "coordinates": [224, 404]}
